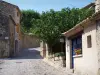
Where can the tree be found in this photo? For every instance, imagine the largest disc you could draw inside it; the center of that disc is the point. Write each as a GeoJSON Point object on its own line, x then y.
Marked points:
{"type": "Point", "coordinates": [49, 25]}
{"type": "Point", "coordinates": [27, 17]}
{"type": "Point", "coordinates": [52, 23]}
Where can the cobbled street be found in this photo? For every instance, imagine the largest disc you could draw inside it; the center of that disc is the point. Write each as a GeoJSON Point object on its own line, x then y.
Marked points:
{"type": "Point", "coordinates": [28, 62]}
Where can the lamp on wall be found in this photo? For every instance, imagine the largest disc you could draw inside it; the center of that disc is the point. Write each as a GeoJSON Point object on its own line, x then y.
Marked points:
{"type": "Point", "coordinates": [62, 40]}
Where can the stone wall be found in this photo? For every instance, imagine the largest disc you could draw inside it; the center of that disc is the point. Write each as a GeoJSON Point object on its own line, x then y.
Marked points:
{"type": "Point", "coordinates": [7, 8]}
{"type": "Point", "coordinates": [13, 11]}
{"type": "Point", "coordinates": [29, 41]}
{"type": "Point", "coordinates": [11, 37]}
{"type": "Point", "coordinates": [10, 9]}
{"type": "Point", "coordinates": [4, 48]}
{"type": "Point", "coordinates": [98, 43]}
{"type": "Point", "coordinates": [43, 49]}
{"type": "Point", "coordinates": [4, 20]}
{"type": "Point", "coordinates": [4, 34]}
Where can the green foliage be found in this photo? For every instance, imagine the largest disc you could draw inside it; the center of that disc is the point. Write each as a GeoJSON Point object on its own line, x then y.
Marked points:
{"type": "Point", "coordinates": [52, 23]}
{"type": "Point", "coordinates": [49, 25]}
{"type": "Point", "coordinates": [27, 20]}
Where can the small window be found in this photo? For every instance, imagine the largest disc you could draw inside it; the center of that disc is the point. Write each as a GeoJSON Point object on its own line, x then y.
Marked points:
{"type": "Point", "coordinates": [89, 42]}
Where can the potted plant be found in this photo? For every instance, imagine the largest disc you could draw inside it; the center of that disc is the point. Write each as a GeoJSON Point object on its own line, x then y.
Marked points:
{"type": "Point", "coordinates": [78, 51]}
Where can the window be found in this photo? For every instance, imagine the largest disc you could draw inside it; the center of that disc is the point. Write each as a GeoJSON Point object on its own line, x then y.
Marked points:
{"type": "Point", "coordinates": [77, 45]}
{"type": "Point", "coordinates": [89, 43]}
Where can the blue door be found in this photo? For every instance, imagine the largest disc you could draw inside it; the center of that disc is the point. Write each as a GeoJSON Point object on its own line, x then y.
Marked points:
{"type": "Point", "coordinates": [76, 44]}
{"type": "Point", "coordinates": [73, 47]}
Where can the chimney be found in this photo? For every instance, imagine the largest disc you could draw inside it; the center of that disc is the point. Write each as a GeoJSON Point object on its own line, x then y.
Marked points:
{"type": "Point", "coordinates": [97, 7]}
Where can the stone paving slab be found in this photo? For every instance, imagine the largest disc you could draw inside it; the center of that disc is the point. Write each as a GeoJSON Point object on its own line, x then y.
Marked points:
{"type": "Point", "coordinates": [28, 62]}
{"type": "Point", "coordinates": [28, 67]}
{"type": "Point", "coordinates": [62, 69]}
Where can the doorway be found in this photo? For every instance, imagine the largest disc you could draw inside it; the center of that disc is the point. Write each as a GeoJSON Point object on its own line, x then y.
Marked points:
{"type": "Point", "coordinates": [16, 47]}
{"type": "Point", "coordinates": [76, 48]}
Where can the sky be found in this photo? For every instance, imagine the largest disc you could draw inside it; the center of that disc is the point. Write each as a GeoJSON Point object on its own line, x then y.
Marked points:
{"type": "Point", "coordinates": [45, 5]}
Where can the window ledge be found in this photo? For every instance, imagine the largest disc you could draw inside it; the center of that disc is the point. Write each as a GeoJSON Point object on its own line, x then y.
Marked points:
{"type": "Point", "coordinates": [76, 56]}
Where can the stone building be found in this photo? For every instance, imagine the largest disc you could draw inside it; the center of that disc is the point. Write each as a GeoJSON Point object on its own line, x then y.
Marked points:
{"type": "Point", "coordinates": [10, 16]}
{"type": "Point", "coordinates": [83, 45]}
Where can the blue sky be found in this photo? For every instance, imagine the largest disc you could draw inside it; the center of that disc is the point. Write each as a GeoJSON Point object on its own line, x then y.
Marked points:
{"type": "Point", "coordinates": [44, 5]}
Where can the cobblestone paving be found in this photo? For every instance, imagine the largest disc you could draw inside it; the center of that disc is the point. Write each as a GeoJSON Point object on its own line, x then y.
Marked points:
{"type": "Point", "coordinates": [29, 62]}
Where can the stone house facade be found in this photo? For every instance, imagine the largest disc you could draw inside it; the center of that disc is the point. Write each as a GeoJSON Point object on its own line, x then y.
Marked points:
{"type": "Point", "coordinates": [10, 16]}
{"type": "Point", "coordinates": [83, 45]}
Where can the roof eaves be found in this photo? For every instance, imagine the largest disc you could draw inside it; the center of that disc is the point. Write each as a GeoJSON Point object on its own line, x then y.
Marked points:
{"type": "Point", "coordinates": [77, 25]}
{"type": "Point", "coordinates": [89, 5]}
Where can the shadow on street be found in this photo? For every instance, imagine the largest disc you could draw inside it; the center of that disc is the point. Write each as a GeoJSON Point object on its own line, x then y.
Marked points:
{"type": "Point", "coordinates": [30, 53]}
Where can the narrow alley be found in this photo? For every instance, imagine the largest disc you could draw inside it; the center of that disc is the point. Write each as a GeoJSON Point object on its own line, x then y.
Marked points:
{"type": "Point", "coordinates": [28, 62]}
